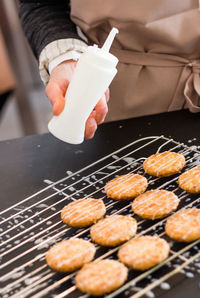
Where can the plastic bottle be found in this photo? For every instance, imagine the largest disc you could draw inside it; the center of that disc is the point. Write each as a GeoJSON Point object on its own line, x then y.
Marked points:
{"type": "Point", "coordinates": [94, 72]}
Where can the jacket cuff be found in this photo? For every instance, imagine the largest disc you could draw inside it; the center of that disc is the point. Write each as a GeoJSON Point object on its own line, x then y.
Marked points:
{"type": "Point", "coordinates": [70, 55]}
{"type": "Point", "coordinates": [55, 49]}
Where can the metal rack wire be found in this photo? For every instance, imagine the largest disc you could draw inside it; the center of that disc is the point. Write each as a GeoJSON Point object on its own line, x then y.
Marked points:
{"type": "Point", "coordinates": [29, 227]}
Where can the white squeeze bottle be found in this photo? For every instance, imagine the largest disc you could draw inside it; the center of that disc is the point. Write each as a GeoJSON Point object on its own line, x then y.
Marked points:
{"type": "Point", "coordinates": [93, 74]}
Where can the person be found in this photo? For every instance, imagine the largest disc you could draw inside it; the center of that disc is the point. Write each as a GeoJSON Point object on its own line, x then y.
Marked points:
{"type": "Point", "coordinates": [7, 81]}
{"type": "Point", "coordinates": [157, 46]}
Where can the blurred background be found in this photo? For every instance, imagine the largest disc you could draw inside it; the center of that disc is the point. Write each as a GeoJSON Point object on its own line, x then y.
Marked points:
{"type": "Point", "coordinates": [24, 108]}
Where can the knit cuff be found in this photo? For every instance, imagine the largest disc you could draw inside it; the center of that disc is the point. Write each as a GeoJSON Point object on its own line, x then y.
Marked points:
{"type": "Point", "coordinates": [53, 50]}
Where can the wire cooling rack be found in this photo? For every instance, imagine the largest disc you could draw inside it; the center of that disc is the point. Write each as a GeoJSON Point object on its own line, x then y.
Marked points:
{"type": "Point", "coordinates": [29, 227]}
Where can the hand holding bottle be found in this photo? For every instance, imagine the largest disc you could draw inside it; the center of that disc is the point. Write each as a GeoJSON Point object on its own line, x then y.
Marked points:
{"type": "Point", "coordinates": [91, 78]}
{"type": "Point", "coordinates": [56, 90]}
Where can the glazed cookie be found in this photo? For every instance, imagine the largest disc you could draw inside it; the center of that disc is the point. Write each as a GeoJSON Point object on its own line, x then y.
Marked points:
{"type": "Point", "coordinates": [144, 252]}
{"type": "Point", "coordinates": [84, 212]}
{"type": "Point", "coordinates": [101, 277]}
{"type": "Point", "coordinates": [126, 187]}
{"type": "Point", "coordinates": [164, 164]}
{"type": "Point", "coordinates": [70, 255]}
{"type": "Point", "coordinates": [113, 230]}
{"type": "Point", "coordinates": [155, 204]}
{"type": "Point", "coordinates": [190, 180]}
{"type": "Point", "coordinates": [184, 225]}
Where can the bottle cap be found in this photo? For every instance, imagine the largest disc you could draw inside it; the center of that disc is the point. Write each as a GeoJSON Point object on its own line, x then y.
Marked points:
{"type": "Point", "coordinates": [107, 44]}
{"type": "Point", "coordinates": [102, 56]}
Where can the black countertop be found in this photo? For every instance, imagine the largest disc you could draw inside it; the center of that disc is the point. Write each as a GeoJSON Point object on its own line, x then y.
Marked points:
{"type": "Point", "coordinates": [26, 162]}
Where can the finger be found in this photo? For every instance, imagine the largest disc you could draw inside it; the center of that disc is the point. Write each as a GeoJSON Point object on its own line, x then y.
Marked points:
{"type": "Point", "coordinates": [90, 128]}
{"type": "Point", "coordinates": [55, 95]}
{"type": "Point", "coordinates": [101, 110]}
{"type": "Point", "coordinates": [59, 106]}
{"type": "Point", "coordinates": [107, 94]}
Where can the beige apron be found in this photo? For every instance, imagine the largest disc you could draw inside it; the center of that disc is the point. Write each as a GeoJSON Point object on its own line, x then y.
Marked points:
{"type": "Point", "coordinates": [158, 47]}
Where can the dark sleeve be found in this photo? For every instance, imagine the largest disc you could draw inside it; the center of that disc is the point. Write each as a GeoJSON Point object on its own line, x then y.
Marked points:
{"type": "Point", "coordinates": [46, 21]}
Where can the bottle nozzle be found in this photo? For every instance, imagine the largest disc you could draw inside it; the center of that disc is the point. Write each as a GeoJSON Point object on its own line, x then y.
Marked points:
{"type": "Point", "coordinates": [109, 40]}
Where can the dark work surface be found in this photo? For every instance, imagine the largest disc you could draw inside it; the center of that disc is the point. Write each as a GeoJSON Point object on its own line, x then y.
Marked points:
{"type": "Point", "coordinates": [26, 162]}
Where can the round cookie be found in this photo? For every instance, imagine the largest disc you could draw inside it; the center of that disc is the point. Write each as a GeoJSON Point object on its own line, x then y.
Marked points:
{"type": "Point", "coordinates": [144, 252]}
{"type": "Point", "coordinates": [70, 255]}
{"type": "Point", "coordinates": [83, 213]}
{"type": "Point", "coordinates": [113, 230]}
{"type": "Point", "coordinates": [126, 187]}
{"type": "Point", "coordinates": [184, 225]}
{"type": "Point", "coordinates": [155, 204]}
{"type": "Point", "coordinates": [190, 180]}
{"type": "Point", "coordinates": [101, 277]}
{"type": "Point", "coordinates": [164, 164]}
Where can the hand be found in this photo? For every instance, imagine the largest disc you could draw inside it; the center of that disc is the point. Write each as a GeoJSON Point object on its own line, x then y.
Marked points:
{"type": "Point", "coordinates": [57, 87]}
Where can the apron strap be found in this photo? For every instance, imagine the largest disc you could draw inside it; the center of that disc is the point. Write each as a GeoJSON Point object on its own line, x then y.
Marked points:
{"type": "Point", "coordinates": [149, 59]}
{"type": "Point", "coordinates": [192, 88]}
{"type": "Point", "coordinates": [189, 80]}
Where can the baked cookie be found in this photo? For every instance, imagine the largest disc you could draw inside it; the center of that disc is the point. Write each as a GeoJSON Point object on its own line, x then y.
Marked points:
{"type": "Point", "coordinates": [190, 180]}
{"type": "Point", "coordinates": [70, 255]}
{"type": "Point", "coordinates": [164, 164]}
{"type": "Point", "coordinates": [101, 277]}
{"type": "Point", "coordinates": [113, 230]}
{"type": "Point", "coordinates": [184, 225]}
{"type": "Point", "coordinates": [126, 187]}
{"type": "Point", "coordinates": [144, 252]}
{"type": "Point", "coordinates": [155, 204]}
{"type": "Point", "coordinates": [84, 212]}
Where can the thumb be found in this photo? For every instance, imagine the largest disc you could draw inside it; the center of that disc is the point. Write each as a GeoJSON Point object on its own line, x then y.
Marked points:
{"type": "Point", "coordinates": [56, 97]}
